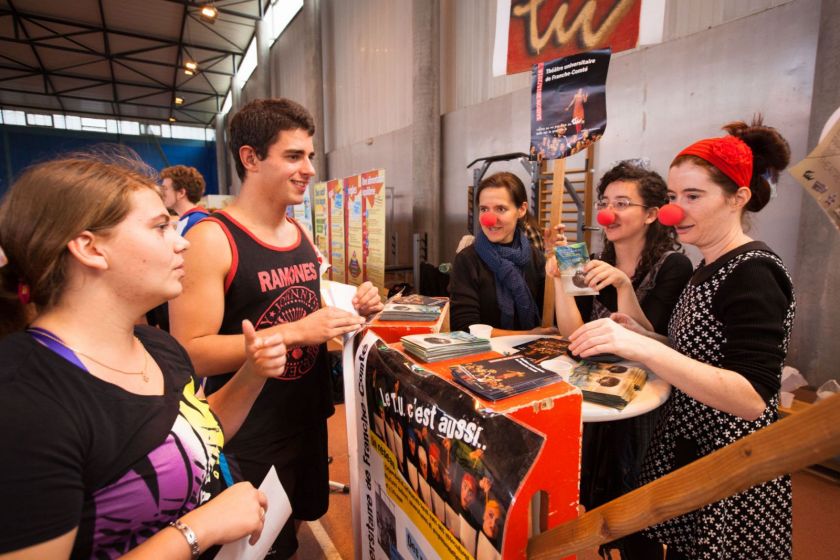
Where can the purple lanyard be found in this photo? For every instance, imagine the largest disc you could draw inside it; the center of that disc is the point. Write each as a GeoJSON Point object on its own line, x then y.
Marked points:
{"type": "Point", "coordinates": [54, 343]}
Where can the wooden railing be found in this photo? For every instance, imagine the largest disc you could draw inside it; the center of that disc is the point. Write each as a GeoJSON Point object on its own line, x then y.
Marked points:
{"type": "Point", "coordinates": [787, 446]}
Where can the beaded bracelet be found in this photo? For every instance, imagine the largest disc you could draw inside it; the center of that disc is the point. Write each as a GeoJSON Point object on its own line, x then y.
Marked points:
{"type": "Point", "coordinates": [189, 535]}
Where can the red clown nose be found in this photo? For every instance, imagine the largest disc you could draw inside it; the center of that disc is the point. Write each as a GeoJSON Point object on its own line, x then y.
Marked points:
{"type": "Point", "coordinates": [488, 220]}
{"type": "Point", "coordinates": [606, 217]}
{"type": "Point", "coordinates": [671, 214]}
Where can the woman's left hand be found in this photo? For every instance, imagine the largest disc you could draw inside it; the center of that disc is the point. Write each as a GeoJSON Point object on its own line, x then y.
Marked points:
{"type": "Point", "coordinates": [605, 336]}
{"type": "Point", "coordinates": [599, 275]}
{"type": "Point", "coordinates": [367, 300]}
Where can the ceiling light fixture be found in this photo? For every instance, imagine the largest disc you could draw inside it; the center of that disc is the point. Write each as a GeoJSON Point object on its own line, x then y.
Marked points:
{"type": "Point", "coordinates": [179, 100]}
{"type": "Point", "coordinates": [172, 119]}
{"type": "Point", "coordinates": [209, 13]}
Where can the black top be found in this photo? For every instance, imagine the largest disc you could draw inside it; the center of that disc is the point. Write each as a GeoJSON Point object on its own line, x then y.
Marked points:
{"type": "Point", "coordinates": [82, 452]}
{"type": "Point", "coordinates": [736, 314]}
{"type": "Point", "coordinates": [658, 302]}
{"type": "Point", "coordinates": [472, 290]}
{"type": "Point", "coordinates": [271, 285]}
{"type": "Point", "coordinates": [753, 303]}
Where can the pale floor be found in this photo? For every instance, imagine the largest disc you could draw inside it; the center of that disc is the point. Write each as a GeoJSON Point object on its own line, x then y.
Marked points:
{"type": "Point", "coordinates": [816, 513]}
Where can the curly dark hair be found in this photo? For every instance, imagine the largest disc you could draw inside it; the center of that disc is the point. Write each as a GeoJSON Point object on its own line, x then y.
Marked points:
{"type": "Point", "coordinates": [654, 192]}
{"type": "Point", "coordinates": [185, 178]}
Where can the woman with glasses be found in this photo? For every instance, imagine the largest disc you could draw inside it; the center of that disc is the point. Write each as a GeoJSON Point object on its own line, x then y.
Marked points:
{"type": "Point", "coordinates": [727, 341]}
{"type": "Point", "coordinates": [639, 273]}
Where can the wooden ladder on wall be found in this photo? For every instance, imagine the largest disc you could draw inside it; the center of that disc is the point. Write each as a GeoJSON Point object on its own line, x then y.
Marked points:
{"type": "Point", "coordinates": [553, 177]}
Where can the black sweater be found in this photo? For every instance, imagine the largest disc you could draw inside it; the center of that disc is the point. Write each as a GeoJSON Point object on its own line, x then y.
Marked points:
{"type": "Point", "coordinates": [472, 290]}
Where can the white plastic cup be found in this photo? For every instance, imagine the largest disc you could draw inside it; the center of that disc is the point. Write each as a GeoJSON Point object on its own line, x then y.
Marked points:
{"type": "Point", "coordinates": [481, 330]}
{"type": "Point", "coordinates": [561, 368]}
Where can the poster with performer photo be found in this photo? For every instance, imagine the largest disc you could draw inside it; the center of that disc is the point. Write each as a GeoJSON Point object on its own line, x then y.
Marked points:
{"type": "Point", "coordinates": [568, 104]}
{"type": "Point", "coordinates": [437, 475]}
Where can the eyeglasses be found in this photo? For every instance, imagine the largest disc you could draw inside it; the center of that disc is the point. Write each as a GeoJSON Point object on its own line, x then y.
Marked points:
{"type": "Point", "coordinates": [620, 205]}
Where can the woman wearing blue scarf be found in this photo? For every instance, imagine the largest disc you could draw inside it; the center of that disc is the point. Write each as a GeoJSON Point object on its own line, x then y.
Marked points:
{"type": "Point", "coordinates": [499, 280]}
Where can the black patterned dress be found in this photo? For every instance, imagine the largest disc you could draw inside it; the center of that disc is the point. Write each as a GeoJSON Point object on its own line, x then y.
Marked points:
{"type": "Point", "coordinates": [736, 314]}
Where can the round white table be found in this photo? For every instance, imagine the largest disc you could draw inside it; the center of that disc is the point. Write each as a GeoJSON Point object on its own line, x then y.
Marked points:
{"type": "Point", "coordinates": [653, 394]}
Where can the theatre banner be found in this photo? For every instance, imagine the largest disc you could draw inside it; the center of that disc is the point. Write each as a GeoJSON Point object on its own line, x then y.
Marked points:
{"type": "Point", "coordinates": [338, 242]}
{"type": "Point", "coordinates": [373, 226]}
{"type": "Point", "coordinates": [533, 31]}
{"type": "Point", "coordinates": [320, 218]}
{"type": "Point", "coordinates": [568, 104]}
{"type": "Point", "coordinates": [435, 475]}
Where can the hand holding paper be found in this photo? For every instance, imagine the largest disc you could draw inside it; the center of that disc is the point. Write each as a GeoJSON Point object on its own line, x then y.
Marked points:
{"type": "Point", "coordinates": [276, 515]}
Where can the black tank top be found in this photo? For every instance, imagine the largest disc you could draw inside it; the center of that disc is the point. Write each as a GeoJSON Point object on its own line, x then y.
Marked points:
{"type": "Point", "coordinates": [271, 285]}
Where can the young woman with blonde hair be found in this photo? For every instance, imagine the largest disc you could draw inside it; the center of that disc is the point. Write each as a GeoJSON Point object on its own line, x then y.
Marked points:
{"type": "Point", "coordinates": [110, 447]}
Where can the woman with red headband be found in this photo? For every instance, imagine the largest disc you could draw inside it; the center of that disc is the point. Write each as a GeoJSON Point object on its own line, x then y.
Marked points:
{"type": "Point", "coordinates": [499, 280]}
{"type": "Point", "coordinates": [728, 338]}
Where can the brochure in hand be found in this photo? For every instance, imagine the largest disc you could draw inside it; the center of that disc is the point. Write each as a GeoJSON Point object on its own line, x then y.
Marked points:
{"type": "Point", "coordinates": [500, 378]}
{"type": "Point", "coordinates": [571, 259]}
{"type": "Point", "coordinates": [612, 385]}
{"type": "Point", "coordinates": [542, 349]}
{"type": "Point", "coordinates": [443, 346]}
{"type": "Point", "coordinates": [413, 308]}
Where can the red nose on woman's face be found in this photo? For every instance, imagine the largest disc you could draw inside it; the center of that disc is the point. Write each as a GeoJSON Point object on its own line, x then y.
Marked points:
{"type": "Point", "coordinates": [671, 214]}
{"type": "Point", "coordinates": [488, 220]}
{"type": "Point", "coordinates": [606, 217]}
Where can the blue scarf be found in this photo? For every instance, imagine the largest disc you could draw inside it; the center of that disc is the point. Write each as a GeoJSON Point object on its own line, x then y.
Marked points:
{"type": "Point", "coordinates": [508, 265]}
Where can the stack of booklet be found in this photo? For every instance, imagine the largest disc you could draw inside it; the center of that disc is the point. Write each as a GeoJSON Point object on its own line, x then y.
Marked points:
{"type": "Point", "coordinates": [611, 385]}
{"type": "Point", "coordinates": [443, 346]}
{"type": "Point", "coordinates": [500, 378]}
{"type": "Point", "coordinates": [413, 308]}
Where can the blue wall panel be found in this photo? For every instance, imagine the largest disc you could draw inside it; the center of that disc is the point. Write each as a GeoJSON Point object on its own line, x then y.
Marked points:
{"type": "Point", "coordinates": [21, 146]}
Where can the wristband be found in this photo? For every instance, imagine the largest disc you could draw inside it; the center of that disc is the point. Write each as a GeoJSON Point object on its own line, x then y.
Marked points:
{"type": "Point", "coordinates": [192, 541]}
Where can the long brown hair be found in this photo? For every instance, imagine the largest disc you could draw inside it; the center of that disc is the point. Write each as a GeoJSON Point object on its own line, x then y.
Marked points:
{"type": "Point", "coordinates": [49, 205]}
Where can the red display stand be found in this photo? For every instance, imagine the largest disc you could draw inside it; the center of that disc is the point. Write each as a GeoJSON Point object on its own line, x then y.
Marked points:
{"type": "Point", "coordinates": [536, 434]}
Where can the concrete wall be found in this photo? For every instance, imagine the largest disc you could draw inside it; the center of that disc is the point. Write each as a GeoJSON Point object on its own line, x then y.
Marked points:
{"type": "Point", "coordinates": [740, 57]}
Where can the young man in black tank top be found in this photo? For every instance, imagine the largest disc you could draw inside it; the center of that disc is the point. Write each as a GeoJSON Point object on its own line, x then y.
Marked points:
{"type": "Point", "coordinates": [250, 261]}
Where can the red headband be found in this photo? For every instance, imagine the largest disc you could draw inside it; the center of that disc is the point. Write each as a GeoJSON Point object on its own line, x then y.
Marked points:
{"type": "Point", "coordinates": [729, 154]}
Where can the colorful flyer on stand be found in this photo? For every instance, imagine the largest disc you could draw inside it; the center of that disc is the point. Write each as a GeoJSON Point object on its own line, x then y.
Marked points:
{"type": "Point", "coordinates": [320, 218]}
{"type": "Point", "coordinates": [355, 238]}
{"type": "Point", "coordinates": [303, 212]}
{"type": "Point", "coordinates": [373, 226]}
{"type": "Point", "coordinates": [335, 192]}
